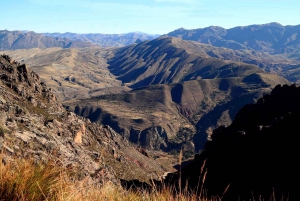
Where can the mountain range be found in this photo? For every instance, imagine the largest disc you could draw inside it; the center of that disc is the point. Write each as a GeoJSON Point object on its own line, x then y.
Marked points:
{"type": "Point", "coordinates": [106, 40]}
{"type": "Point", "coordinates": [272, 46]}
{"type": "Point", "coordinates": [12, 40]}
{"type": "Point", "coordinates": [273, 37]}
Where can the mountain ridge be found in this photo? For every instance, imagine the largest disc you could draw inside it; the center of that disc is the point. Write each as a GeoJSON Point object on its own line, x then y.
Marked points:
{"type": "Point", "coordinates": [162, 61]}
{"type": "Point", "coordinates": [11, 40]}
{"type": "Point", "coordinates": [106, 40]}
{"type": "Point", "coordinates": [272, 37]}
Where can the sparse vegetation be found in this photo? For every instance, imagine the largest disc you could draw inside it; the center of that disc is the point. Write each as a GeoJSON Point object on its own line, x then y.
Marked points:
{"type": "Point", "coordinates": [25, 179]}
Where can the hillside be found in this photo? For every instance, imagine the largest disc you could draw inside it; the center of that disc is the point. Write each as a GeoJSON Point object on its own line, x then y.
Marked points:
{"type": "Point", "coordinates": [170, 60]}
{"type": "Point", "coordinates": [175, 60]}
{"type": "Point", "coordinates": [256, 156]}
{"type": "Point", "coordinates": [12, 40]}
{"type": "Point", "coordinates": [106, 40]}
{"type": "Point", "coordinates": [166, 117]}
{"type": "Point", "coordinates": [273, 37]}
{"type": "Point", "coordinates": [72, 73]}
{"type": "Point", "coordinates": [34, 124]}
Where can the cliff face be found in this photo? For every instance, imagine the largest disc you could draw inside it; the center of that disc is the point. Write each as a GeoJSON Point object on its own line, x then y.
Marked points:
{"type": "Point", "coordinates": [256, 155]}
{"type": "Point", "coordinates": [34, 124]}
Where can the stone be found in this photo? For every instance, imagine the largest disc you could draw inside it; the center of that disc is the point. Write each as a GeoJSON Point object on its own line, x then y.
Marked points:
{"type": "Point", "coordinates": [79, 134]}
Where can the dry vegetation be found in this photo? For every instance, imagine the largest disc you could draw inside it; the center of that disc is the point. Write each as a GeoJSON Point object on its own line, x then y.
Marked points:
{"type": "Point", "coordinates": [22, 179]}
{"type": "Point", "coordinates": [26, 179]}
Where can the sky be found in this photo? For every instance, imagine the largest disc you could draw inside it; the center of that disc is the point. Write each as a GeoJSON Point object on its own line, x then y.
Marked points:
{"type": "Point", "coordinates": [148, 16]}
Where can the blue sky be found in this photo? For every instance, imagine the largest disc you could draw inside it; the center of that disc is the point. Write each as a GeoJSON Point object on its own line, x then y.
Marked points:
{"type": "Point", "coordinates": [150, 16]}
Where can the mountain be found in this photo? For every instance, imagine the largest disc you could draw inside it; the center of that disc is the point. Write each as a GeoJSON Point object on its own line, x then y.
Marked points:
{"type": "Point", "coordinates": [169, 60]}
{"type": "Point", "coordinates": [144, 69]}
{"type": "Point", "coordinates": [69, 81]}
{"type": "Point", "coordinates": [256, 156]}
{"type": "Point", "coordinates": [273, 37]}
{"type": "Point", "coordinates": [34, 124]}
{"type": "Point", "coordinates": [12, 40]}
{"type": "Point", "coordinates": [106, 40]}
{"type": "Point", "coordinates": [94, 60]}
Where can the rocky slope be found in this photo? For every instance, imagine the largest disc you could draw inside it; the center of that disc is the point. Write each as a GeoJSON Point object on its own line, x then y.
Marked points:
{"type": "Point", "coordinates": [12, 40]}
{"type": "Point", "coordinates": [106, 40]}
{"type": "Point", "coordinates": [256, 156]}
{"type": "Point", "coordinates": [273, 37]}
{"type": "Point", "coordinates": [34, 124]}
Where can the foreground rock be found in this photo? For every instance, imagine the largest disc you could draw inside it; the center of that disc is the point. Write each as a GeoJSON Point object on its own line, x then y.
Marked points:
{"type": "Point", "coordinates": [255, 156]}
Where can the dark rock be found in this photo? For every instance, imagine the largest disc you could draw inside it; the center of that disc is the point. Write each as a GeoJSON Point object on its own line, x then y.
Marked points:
{"type": "Point", "coordinates": [255, 156]}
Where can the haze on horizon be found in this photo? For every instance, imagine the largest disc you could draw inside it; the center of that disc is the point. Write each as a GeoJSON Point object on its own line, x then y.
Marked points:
{"type": "Point", "coordinates": [149, 16]}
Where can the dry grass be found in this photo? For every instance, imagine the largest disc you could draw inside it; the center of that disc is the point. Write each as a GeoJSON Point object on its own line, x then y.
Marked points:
{"type": "Point", "coordinates": [25, 179]}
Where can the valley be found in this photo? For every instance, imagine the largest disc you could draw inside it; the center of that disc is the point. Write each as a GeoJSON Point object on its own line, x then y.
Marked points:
{"type": "Point", "coordinates": [162, 94]}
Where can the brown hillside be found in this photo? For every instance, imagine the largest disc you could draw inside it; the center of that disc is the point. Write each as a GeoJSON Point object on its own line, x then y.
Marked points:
{"type": "Point", "coordinates": [71, 73]}
{"type": "Point", "coordinates": [167, 116]}
{"type": "Point", "coordinates": [170, 60]}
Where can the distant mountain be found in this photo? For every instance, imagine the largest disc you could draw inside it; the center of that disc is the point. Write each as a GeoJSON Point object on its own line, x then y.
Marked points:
{"type": "Point", "coordinates": [12, 40]}
{"type": "Point", "coordinates": [105, 40]}
{"type": "Point", "coordinates": [273, 37]}
{"type": "Point", "coordinates": [256, 157]}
